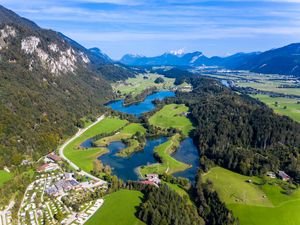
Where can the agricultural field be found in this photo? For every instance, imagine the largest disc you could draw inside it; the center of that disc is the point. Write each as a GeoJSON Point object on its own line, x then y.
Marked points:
{"type": "Point", "coordinates": [174, 116]}
{"type": "Point", "coordinates": [285, 106]}
{"type": "Point", "coordinates": [4, 177]}
{"type": "Point", "coordinates": [139, 83]}
{"type": "Point", "coordinates": [271, 83]}
{"type": "Point", "coordinates": [84, 158]}
{"type": "Point", "coordinates": [264, 82]}
{"type": "Point", "coordinates": [257, 202]}
{"type": "Point", "coordinates": [272, 86]}
{"type": "Point", "coordinates": [119, 208]}
{"type": "Point", "coordinates": [168, 163]}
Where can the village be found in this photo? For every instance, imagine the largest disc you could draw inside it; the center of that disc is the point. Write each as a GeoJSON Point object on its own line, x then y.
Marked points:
{"type": "Point", "coordinates": [43, 200]}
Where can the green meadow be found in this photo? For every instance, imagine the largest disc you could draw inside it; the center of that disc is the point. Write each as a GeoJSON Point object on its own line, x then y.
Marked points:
{"type": "Point", "coordinates": [119, 208]}
{"type": "Point", "coordinates": [168, 163]}
{"type": "Point", "coordinates": [256, 203]}
{"type": "Point", "coordinates": [4, 177]}
{"type": "Point", "coordinates": [285, 106]}
{"type": "Point", "coordinates": [267, 85]}
{"type": "Point", "coordinates": [172, 115]}
{"type": "Point", "coordinates": [84, 158]}
{"type": "Point", "coordinates": [138, 84]}
{"type": "Point", "coordinates": [127, 132]}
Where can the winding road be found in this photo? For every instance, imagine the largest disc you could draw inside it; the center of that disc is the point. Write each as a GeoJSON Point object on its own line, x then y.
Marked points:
{"type": "Point", "coordinates": [80, 132]}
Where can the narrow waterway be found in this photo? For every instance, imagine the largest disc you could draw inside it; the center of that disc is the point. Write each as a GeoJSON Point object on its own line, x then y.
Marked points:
{"type": "Point", "coordinates": [126, 168]}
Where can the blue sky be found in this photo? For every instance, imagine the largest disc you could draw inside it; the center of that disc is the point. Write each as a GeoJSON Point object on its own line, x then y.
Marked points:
{"type": "Point", "coordinates": [152, 27]}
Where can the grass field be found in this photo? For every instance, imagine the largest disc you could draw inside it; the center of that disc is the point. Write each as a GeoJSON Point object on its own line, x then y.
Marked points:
{"type": "Point", "coordinates": [137, 84]}
{"type": "Point", "coordinates": [119, 208]}
{"type": "Point", "coordinates": [256, 204]}
{"type": "Point", "coordinates": [271, 83]}
{"type": "Point", "coordinates": [169, 164]}
{"type": "Point", "coordinates": [292, 108]}
{"type": "Point", "coordinates": [4, 177]}
{"type": "Point", "coordinates": [84, 158]}
{"type": "Point", "coordinates": [127, 132]}
{"type": "Point", "coordinates": [172, 116]}
{"type": "Point", "coordinates": [271, 86]}
{"type": "Point", "coordinates": [178, 190]}
{"type": "Point", "coordinates": [264, 82]}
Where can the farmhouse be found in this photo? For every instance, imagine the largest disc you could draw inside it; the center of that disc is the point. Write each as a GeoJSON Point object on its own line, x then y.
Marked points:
{"type": "Point", "coordinates": [283, 175]}
{"type": "Point", "coordinates": [151, 179]}
{"type": "Point", "coordinates": [148, 182]}
{"type": "Point", "coordinates": [47, 167]}
{"type": "Point", "coordinates": [53, 157]}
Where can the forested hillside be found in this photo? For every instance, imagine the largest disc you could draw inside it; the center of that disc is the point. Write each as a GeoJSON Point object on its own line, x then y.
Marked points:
{"type": "Point", "coordinates": [46, 85]}
{"type": "Point", "coordinates": [240, 133]}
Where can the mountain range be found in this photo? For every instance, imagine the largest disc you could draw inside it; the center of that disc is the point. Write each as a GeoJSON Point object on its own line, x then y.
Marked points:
{"type": "Point", "coordinates": [48, 82]}
{"type": "Point", "coordinates": [284, 60]}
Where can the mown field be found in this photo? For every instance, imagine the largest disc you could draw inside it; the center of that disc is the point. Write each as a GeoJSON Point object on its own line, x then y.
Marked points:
{"type": "Point", "coordinates": [84, 158]}
{"type": "Point", "coordinates": [4, 177]}
{"type": "Point", "coordinates": [285, 106]}
{"type": "Point", "coordinates": [119, 208]}
{"type": "Point", "coordinates": [137, 84]}
{"type": "Point", "coordinates": [172, 115]}
{"type": "Point", "coordinates": [169, 164]}
{"type": "Point", "coordinates": [256, 203]}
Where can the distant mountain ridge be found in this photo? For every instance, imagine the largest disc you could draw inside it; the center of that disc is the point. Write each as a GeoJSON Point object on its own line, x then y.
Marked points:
{"type": "Point", "coordinates": [193, 59]}
{"type": "Point", "coordinates": [284, 60]}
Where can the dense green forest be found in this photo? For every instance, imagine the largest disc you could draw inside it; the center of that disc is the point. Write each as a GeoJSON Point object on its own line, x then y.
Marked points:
{"type": "Point", "coordinates": [163, 206]}
{"type": "Point", "coordinates": [37, 107]}
{"type": "Point", "coordinates": [209, 204]}
{"type": "Point", "coordinates": [36, 113]}
{"type": "Point", "coordinates": [239, 132]}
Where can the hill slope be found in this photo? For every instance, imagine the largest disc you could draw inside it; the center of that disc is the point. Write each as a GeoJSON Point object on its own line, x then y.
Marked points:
{"type": "Point", "coordinates": [47, 83]}
{"type": "Point", "coordinates": [285, 60]}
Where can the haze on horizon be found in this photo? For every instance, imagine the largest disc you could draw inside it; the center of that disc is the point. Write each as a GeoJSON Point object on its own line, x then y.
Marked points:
{"type": "Point", "coordinates": [151, 27]}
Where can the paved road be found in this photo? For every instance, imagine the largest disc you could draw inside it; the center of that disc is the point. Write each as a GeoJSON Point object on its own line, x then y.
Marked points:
{"type": "Point", "coordinates": [80, 132]}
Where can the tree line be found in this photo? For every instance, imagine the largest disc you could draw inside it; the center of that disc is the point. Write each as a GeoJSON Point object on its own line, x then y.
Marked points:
{"type": "Point", "coordinates": [240, 133]}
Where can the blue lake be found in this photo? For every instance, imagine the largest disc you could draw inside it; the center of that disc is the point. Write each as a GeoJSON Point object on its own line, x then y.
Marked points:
{"type": "Point", "coordinates": [142, 107]}
{"type": "Point", "coordinates": [187, 153]}
{"type": "Point", "coordinates": [126, 168]}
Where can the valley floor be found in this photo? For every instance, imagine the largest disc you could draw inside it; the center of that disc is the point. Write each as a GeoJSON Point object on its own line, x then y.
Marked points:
{"type": "Point", "coordinates": [259, 202]}
{"type": "Point", "coordinates": [119, 208]}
